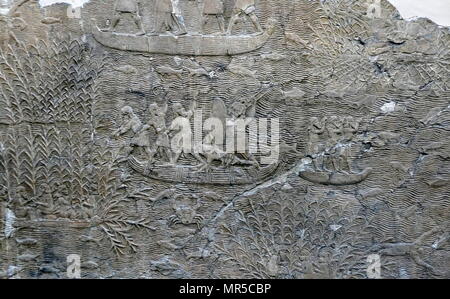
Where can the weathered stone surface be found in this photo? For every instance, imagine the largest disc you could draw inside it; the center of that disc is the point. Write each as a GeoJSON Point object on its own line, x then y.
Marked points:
{"type": "Point", "coordinates": [92, 103]}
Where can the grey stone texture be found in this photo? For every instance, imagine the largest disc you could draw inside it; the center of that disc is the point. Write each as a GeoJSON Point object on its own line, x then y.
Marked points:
{"type": "Point", "coordinates": [87, 104]}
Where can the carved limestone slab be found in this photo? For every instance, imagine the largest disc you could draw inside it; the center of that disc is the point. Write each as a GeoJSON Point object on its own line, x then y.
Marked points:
{"type": "Point", "coordinates": [223, 139]}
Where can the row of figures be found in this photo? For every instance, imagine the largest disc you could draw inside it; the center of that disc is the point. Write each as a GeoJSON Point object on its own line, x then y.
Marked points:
{"type": "Point", "coordinates": [330, 142]}
{"type": "Point", "coordinates": [170, 17]}
{"type": "Point", "coordinates": [49, 203]}
{"type": "Point", "coordinates": [166, 144]}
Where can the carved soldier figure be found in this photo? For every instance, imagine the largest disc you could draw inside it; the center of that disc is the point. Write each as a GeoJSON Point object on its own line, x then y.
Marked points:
{"type": "Point", "coordinates": [244, 7]}
{"type": "Point", "coordinates": [20, 204]}
{"type": "Point", "coordinates": [239, 114]}
{"type": "Point", "coordinates": [181, 125]}
{"type": "Point", "coordinates": [158, 123]}
{"type": "Point", "coordinates": [131, 122]}
{"type": "Point", "coordinates": [350, 128]}
{"type": "Point", "coordinates": [316, 147]}
{"type": "Point", "coordinates": [334, 129]}
{"type": "Point", "coordinates": [213, 8]}
{"type": "Point", "coordinates": [3, 194]}
{"type": "Point", "coordinates": [46, 200]}
{"type": "Point", "coordinates": [63, 205]}
{"type": "Point", "coordinates": [127, 7]}
{"type": "Point", "coordinates": [9, 23]}
{"type": "Point", "coordinates": [170, 13]}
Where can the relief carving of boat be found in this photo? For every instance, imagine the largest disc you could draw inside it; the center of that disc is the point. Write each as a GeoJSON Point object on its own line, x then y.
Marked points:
{"type": "Point", "coordinates": [335, 178]}
{"type": "Point", "coordinates": [191, 175]}
{"type": "Point", "coordinates": [193, 45]}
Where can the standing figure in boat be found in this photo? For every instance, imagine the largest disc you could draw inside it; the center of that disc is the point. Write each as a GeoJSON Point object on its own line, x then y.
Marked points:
{"type": "Point", "coordinates": [158, 123]}
{"type": "Point", "coordinates": [316, 147]}
{"type": "Point", "coordinates": [350, 128]}
{"type": "Point", "coordinates": [246, 8]}
{"type": "Point", "coordinates": [170, 17]}
{"type": "Point", "coordinates": [181, 129]}
{"type": "Point", "coordinates": [213, 9]}
{"type": "Point", "coordinates": [239, 123]}
{"type": "Point", "coordinates": [127, 7]}
{"type": "Point", "coordinates": [334, 129]}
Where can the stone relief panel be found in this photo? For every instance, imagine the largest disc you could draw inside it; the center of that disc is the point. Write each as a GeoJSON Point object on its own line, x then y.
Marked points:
{"type": "Point", "coordinates": [223, 139]}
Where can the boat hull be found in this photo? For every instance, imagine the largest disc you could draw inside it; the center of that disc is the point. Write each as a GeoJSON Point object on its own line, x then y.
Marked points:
{"type": "Point", "coordinates": [189, 175]}
{"type": "Point", "coordinates": [192, 45]}
{"type": "Point", "coordinates": [337, 179]}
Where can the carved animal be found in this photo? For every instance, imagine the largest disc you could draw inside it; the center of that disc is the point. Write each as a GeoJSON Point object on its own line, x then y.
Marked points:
{"type": "Point", "coordinates": [399, 166]}
{"type": "Point", "coordinates": [89, 265]}
{"type": "Point", "coordinates": [371, 192]}
{"type": "Point", "coordinates": [199, 72]}
{"type": "Point", "coordinates": [186, 211]}
{"type": "Point", "coordinates": [27, 257]}
{"type": "Point", "coordinates": [168, 71]}
{"type": "Point", "coordinates": [125, 69]}
{"type": "Point", "coordinates": [241, 71]}
{"type": "Point", "coordinates": [50, 20]}
{"type": "Point", "coordinates": [27, 242]}
{"type": "Point", "coordinates": [292, 37]}
{"type": "Point", "coordinates": [293, 94]}
{"type": "Point", "coordinates": [438, 182]}
{"type": "Point", "coordinates": [366, 101]}
{"type": "Point", "coordinates": [276, 57]}
{"type": "Point", "coordinates": [432, 116]}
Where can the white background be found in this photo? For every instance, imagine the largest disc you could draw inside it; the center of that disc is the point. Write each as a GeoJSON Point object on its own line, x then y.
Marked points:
{"type": "Point", "coordinates": [436, 10]}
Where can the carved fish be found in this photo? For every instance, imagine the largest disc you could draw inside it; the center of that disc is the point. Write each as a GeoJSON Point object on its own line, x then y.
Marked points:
{"type": "Point", "coordinates": [89, 265]}
{"type": "Point", "coordinates": [168, 71]}
{"type": "Point", "coordinates": [164, 264]}
{"type": "Point", "coordinates": [438, 182]}
{"type": "Point", "coordinates": [399, 166]}
{"type": "Point", "coordinates": [292, 37]}
{"type": "Point", "coordinates": [26, 242]}
{"type": "Point", "coordinates": [198, 72]}
{"type": "Point", "coordinates": [371, 192]}
{"type": "Point", "coordinates": [50, 20]}
{"type": "Point", "coordinates": [27, 257]}
{"type": "Point", "coordinates": [241, 71]}
{"type": "Point", "coordinates": [367, 101]}
{"type": "Point", "coordinates": [48, 269]}
{"type": "Point", "coordinates": [168, 245]}
{"type": "Point", "coordinates": [388, 137]}
{"type": "Point", "coordinates": [433, 146]}
{"type": "Point", "coordinates": [126, 69]}
{"type": "Point", "coordinates": [293, 94]}
{"type": "Point", "coordinates": [432, 116]}
{"type": "Point", "coordinates": [273, 57]}
{"type": "Point", "coordinates": [91, 239]}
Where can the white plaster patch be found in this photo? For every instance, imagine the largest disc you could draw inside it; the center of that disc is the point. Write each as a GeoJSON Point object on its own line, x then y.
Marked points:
{"type": "Point", "coordinates": [389, 107]}
{"type": "Point", "coordinates": [335, 227]}
{"type": "Point", "coordinates": [436, 10]}
{"type": "Point", "coordinates": [10, 218]}
{"type": "Point", "coordinates": [4, 6]}
{"type": "Point", "coordinates": [73, 3]}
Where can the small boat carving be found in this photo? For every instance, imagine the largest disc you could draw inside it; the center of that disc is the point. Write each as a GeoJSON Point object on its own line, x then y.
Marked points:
{"type": "Point", "coordinates": [335, 178]}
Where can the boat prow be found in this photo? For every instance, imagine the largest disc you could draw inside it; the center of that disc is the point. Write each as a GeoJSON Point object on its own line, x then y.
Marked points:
{"type": "Point", "coordinates": [335, 178]}
{"type": "Point", "coordinates": [192, 45]}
